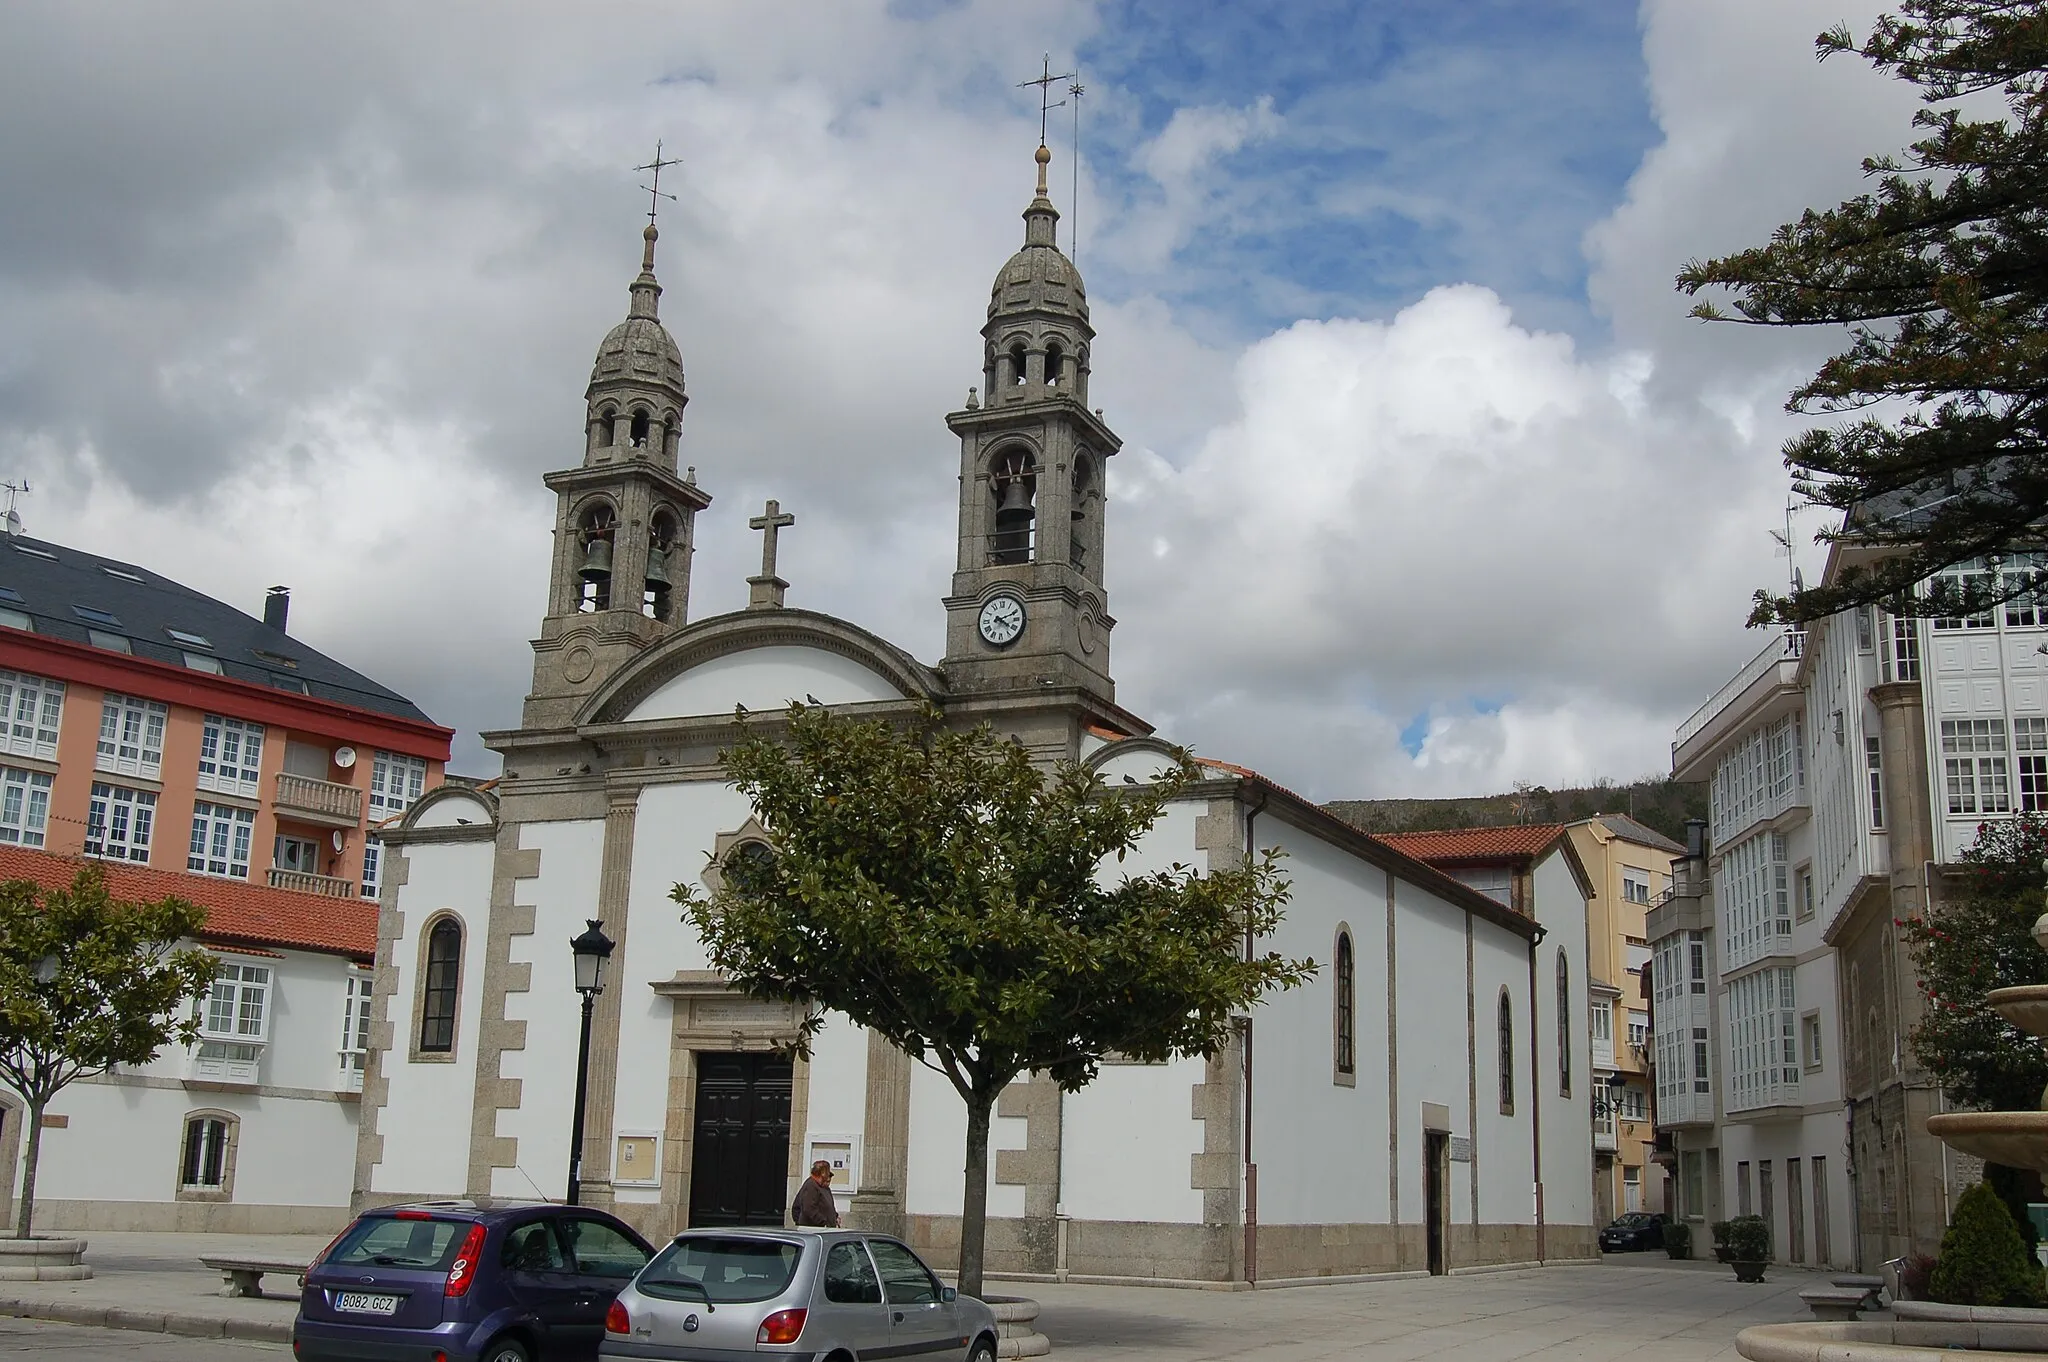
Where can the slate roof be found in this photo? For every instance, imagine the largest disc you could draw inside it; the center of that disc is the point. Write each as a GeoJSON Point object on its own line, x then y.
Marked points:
{"type": "Point", "coordinates": [237, 912]}
{"type": "Point", "coordinates": [1628, 829]}
{"type": "Point", "coordinates": [1475, 844]}
{"type": "Point", "coordinates": [51, 583]}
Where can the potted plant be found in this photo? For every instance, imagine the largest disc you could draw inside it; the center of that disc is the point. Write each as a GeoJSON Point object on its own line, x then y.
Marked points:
{"type": "Point", "coordinates": [1678, 1239]}
{"type": "Point", "coordinates": [1744, 1243]}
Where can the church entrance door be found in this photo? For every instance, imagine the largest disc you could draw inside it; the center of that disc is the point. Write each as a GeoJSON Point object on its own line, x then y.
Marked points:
{"type": "Point", "coordinates": [739, 1170]}
{"type": "Point", "coordinates": [1436, 1177]}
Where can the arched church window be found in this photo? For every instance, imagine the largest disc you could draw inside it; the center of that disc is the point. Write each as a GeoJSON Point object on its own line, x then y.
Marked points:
{"type": "Point", "coordinates": [657, 598]}
{"type": "Point", "coordinates": [442, 986]}
{"type": "Point", "coordinates": [1014, 484]}
{"type": "Point", "coordinates": [1507, 1055]}
{"type": "Point", "coordinates": [1564, 1026]}
{"type": "Point", "coordinates": [642, 423]}
{"type": "Point", "coordinates": [1017, 358]}
{"type": "Point", "coordinates": [1347, 1006]}
{"type": "Point", "coordinates": [594, 574]}
{"type": "Point", "coordinates": [1053, 358]}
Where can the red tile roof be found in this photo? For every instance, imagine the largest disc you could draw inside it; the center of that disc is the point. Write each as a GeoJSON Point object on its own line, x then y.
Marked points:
{"type": "Point", "coordinates": [1475, 844]}
{"type": "Point", "coordinates": [236, 912]}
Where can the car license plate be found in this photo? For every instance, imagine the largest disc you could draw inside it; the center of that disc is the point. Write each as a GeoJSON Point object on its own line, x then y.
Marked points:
{"type": "Point", "coordinates": [366, 1303]}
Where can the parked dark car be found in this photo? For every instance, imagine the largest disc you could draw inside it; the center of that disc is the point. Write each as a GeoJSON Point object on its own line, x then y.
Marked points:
{"type": "Point", "coordinates": [466, 1281]}
{"type": "Point", "coordinates": [1635, 1231]}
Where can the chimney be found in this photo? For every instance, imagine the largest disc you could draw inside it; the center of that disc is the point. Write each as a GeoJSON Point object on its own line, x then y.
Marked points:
{"type": "Point", "coordinates": [1695, 835]}
{"type": "Point", "coordinates": [276, 606]}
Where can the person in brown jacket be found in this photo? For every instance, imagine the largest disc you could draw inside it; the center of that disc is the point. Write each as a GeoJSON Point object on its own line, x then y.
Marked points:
{"type": "Point", "coordinates": [814, 1204]}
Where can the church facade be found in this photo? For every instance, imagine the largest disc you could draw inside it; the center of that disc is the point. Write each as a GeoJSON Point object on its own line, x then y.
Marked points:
{"type": "Point", "coordinates": [1412, 1109]}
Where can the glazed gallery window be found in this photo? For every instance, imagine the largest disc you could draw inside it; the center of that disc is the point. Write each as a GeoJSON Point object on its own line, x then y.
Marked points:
{"type": "Point", "coordinates": [396, 781]}
{"type": "Point", "coordinates": [373, 866]}
{"type": "Point", "coordinates": [1973, 766]}
{"type": "Point", "coordinates": [118, 822]}
{"type": "Point", "coordinates": [204, 1164]}
{"type": "Point", "coordinates": [234, 1024]}
{"type": "Point", "coordinates": [24, 806]}
{"type": "Point", "coordinates": [355, 1030]}
{"type": "Point", "coordinates": [1505, 1024]}
{"type": "Point", "coordinates": [443, 985]}
{"type": "Point", "coordinates": [230, 756]}
{"type": "Point", "coordinates": [132, 736]}
{"type": "Point", "coordinates": [2030, 743]}
{"type": "Point", "coordinates": [1347, 1005]}
{"type": "Point", "coordinates": [220, 840]}
{"type": "Point", "coordinates": [1873, 761]}
{"type": "Point", "coordinates": [32, 708]}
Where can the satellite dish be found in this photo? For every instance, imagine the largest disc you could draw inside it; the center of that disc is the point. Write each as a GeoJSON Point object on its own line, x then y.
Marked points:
{"type": "Point", "coordinates": [344, 757]}
{"type": "Point", "coordinates": [337, 839]}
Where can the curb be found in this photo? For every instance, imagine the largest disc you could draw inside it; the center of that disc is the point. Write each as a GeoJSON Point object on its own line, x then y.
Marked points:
{"type": "Point", "coordinates": [148, 1321]}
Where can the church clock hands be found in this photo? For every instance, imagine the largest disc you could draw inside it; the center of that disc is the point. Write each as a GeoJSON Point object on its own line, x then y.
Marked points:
{"type": "Point", "coordinates": [1002, 619]}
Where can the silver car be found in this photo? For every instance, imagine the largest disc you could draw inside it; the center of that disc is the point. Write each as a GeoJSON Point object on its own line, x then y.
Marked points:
{"type": "Point", "coordinates": [713, 1295]}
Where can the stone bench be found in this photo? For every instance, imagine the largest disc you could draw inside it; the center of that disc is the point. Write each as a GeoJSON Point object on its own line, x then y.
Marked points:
{"type": "Point", "coordinates": [1869, 1282]}
{"type": "Point", "coordinates": [1835, 1303]}
{"type": "Point", "coordinates": [244, 1276]}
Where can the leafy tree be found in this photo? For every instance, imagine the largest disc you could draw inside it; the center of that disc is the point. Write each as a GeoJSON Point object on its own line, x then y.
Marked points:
{"type": "Point", "coordinates": [1983, 1259]}
{"type": "Point", "coordinates": [1937, 275]}
{"type": "Point", "coordinates": [940, 888]}
{"type": "Point", "coordinates": [1982, 939]}
{"type": "Point", "coordinates": [87, 982]}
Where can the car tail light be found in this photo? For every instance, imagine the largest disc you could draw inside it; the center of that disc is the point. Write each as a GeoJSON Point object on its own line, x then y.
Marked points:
{"type": "Point", "coordinates": [616, 1320]}
{"type": "Point", "coordinates": [781, 1327]}
{"type": "Point", "coordinates": [462, 1272]}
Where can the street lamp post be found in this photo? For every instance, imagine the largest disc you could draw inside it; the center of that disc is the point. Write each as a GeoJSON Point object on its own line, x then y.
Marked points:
{"type": "Point", "coordinates": [591, 949]}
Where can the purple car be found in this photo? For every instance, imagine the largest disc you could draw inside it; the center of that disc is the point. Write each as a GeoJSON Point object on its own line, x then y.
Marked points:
{"type": "Point", "coordinates": [464, 1281]}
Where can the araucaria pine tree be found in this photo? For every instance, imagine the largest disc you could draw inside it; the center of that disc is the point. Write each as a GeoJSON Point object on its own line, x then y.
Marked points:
{"type": "Point", "coordinates": [1937, 275]}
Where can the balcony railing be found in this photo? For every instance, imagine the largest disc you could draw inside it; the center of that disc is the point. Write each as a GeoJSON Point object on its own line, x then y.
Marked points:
{"type": "Point", "coordinates": [321, 801]}
{"type": "Point", "coordinates": [1789, 646]}
{"type": "Point", "coordinates": [304, 882]}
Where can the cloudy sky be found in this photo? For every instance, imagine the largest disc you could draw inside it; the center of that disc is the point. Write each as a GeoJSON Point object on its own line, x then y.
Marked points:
{"type": "Point", "coordinates": [1429, 485]}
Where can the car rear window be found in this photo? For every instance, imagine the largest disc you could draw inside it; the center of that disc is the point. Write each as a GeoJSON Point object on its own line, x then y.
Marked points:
{"type": "Point", "coordinates": [388, 1241]}
{"type": "Point", "coordinates": [722, 1270]}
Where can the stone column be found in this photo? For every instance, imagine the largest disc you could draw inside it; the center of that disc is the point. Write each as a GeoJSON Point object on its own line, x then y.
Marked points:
{"type": "Point", "coordinates": [885, 1141]}
{"type": "Point", "coordinates": [614, 885]}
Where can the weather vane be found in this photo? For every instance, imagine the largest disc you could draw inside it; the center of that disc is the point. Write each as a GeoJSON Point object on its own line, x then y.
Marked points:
{"type": "Point", "coordinates": [655, 196]}
{"type": "Point", "coordinates": [1044, 82]}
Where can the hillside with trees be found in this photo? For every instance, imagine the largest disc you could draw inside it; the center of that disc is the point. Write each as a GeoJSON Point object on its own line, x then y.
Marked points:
{"type": "Point", "coordinates": [1658, 802]}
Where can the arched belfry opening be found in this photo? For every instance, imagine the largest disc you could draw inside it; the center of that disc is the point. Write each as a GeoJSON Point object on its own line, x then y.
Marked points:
{"type": "Point", "coordinates": [1013, 481]}
{"type": "Point", "coordinates": [1054, 358]}
{"type": "Point", "coordinates": [1084, 542]}
{"type": "Point", "coordinates": [663, 543]}
{"type": "Point", "coordinates": [1019, 361]}
{"type": "Point", "coordinates": [601, 428]}
{"type": "Point", "coordinates": [595, 531]}
{"type": "Point", "coordinates": [642, 424]}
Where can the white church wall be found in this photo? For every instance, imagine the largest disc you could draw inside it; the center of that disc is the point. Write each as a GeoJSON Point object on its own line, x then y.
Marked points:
{"type": "Point", "coordinates": [1560, 905]}
{"type": "Point", "coordinates": [1129, 1145]}
{"type": "Point", "coordinates": [1500, 960]}
{"type": "Point", "coordinates": [938, 1145]}
{"type": "Point", "coordinates": [838, 1094]}
{"type": "Point", "coordinates": [1308, 1129]}
{"type": "Point", "coordinates": [425, 1123]}
{"type": "Point", "coordinates": [765, 679]}
{"type": "Point", "coordinates": [1429, 1005]}
{"type": "Point", "coordinates": [563, 896]}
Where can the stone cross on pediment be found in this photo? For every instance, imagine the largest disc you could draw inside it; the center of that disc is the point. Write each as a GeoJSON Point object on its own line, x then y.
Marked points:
{"type": "Point", "coordinates": [765, 591]}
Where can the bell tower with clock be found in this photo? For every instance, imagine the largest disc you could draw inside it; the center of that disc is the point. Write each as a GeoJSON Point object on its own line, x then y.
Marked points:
{"type": "Point", "coordinates": [1028, 609]}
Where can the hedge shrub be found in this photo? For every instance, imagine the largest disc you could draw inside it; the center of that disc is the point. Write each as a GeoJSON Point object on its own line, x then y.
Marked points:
{"type": "Point", "coordinates": [1983, 1258]}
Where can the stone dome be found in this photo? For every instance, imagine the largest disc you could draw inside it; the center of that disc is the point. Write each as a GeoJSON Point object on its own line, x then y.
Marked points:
{"type": "Point", "coordinates": [1039, 278]}
{"type": "Point", "coordinates": [639, 350]}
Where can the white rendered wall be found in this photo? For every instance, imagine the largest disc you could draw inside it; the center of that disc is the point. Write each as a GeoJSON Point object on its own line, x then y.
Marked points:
{"type": "Point", "coordinates": [1429, 985]}
{"type": "Point", "coordinates": [1560, 906]}
{"type": "Point", "coordinates": [425, 1122]}
{"type": "Point", "coordinates": [938, 1151]}
{"type": "Point", "coordinates": [839, 1092]}
{"type": "Point", "coordinates": [1823, 1134]}
{"type": "Point", "coordinates": [1507, 1188]}
{"type": "Point", "coordinates": [766, 679]}
{"type": "Point", "coordinates": [1129, 1145]}
{"type": "Point", "coordinates": [563, 896]}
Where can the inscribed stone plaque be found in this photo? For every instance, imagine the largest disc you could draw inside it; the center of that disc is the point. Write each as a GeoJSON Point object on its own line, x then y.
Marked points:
{"type": "Point", "coordinates": [1461, 1149]}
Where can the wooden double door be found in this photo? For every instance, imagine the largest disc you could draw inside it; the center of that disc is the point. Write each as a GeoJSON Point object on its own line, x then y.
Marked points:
{"type": "Point", "coordinates": [739, 1168]}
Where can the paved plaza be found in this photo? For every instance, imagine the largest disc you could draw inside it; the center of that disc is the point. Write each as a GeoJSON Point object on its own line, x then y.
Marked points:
{"type": "Point", "coordinates": [1629, 1308]}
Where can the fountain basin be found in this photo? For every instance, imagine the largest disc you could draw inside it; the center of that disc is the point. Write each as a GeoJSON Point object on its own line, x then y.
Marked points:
{"type": "Point", "coordinates": [2025, 1007]}
{"type": "Point", "coordinates": [2017, 1139]}
{"type": "Point", "coordinates": [1890, 1341]}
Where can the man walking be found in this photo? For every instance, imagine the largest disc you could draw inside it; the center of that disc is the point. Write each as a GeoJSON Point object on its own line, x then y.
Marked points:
{"type": "Point", "coordinates": [814, 1204]}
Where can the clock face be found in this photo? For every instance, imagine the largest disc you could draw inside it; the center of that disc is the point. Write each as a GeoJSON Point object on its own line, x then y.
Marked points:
{"type": "Point", "coordinates": [1002, 619]}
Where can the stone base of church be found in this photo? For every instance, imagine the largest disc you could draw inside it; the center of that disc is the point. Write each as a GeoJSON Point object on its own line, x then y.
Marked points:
{"type": "Point", "coordinates": [189, 1217]}
{"type": "Point", "coordinates": [1140, 1251]}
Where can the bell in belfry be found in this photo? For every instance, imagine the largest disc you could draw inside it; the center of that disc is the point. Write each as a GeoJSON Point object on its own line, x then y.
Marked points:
{"type": "Point", "coordinates": [597, 560]}
{"type": "Point", "coordinates": [657, 566]}
{"type": "Point", "coordinates": [1013, 523]}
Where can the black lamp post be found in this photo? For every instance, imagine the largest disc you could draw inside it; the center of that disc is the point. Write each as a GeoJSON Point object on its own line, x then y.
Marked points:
{"type": "Point", "coordinates": [592, 949]}
{"type": "Point", "coordinates": [1609, 1104]}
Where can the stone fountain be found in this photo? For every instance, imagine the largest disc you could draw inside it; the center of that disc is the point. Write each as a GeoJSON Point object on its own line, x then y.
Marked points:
{"type": "Point", "coordinates": [1926, 1329]}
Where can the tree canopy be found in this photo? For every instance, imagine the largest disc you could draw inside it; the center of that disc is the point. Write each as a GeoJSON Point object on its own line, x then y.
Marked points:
{"type": "Point", "coordinates": [943, 889]}
{"type": "Point", "coordinates": [1939, 273]}
{"type": "Point", "coordinates": [87, 982]}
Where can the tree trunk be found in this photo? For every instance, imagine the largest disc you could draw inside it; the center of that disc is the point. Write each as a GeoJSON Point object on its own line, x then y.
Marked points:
{"type": "Point", "coordinates": [25, 1212]}
{"type": "Point", "coordinates": [974, 1203]}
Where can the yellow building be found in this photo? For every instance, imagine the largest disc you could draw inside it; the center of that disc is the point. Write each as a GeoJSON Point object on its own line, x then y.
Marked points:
{"type": "Point", "coordinates": [1630, 865]}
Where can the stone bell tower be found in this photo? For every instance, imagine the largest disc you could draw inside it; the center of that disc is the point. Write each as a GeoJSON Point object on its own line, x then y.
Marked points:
{"type": "Point", "coordinates": [1028, 608]}
{"type": "Point", "coordinates": [624, 521]}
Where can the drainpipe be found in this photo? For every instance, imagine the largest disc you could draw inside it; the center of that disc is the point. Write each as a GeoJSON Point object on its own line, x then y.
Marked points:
{"type": "Point", "coordinates": [1251, 1168]}
{"type": "Point", "coordinates": [1536, 1089]}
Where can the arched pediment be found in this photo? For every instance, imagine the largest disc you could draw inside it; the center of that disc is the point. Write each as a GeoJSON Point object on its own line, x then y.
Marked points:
{"type": "Point", "coordinates": [762, 659]}
{"type": "Point", "coordinates": [1141, 760]}
{"type": "Point", "coordinates": [453, 805]}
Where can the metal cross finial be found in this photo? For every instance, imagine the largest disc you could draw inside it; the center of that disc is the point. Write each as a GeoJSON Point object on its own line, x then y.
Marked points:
{"type": "Point", "coordinates": [771, 524]}
{"type": "Point", "coordinates": [655, 196]}
{"type": "Point", "coordinates": [1044, 84]}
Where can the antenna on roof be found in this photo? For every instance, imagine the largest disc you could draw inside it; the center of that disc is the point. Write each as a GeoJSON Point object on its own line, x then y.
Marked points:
{"type": "Point", "coordinates": [1784, 542]}
{"type": "Point", "coordinates": [15, 491]}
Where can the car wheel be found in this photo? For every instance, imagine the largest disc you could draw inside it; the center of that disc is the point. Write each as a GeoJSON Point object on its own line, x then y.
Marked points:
{"type": "Point", "coordinates": [984, 1351]}
{"type": "Point", "coordinates": [507, 1350]}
